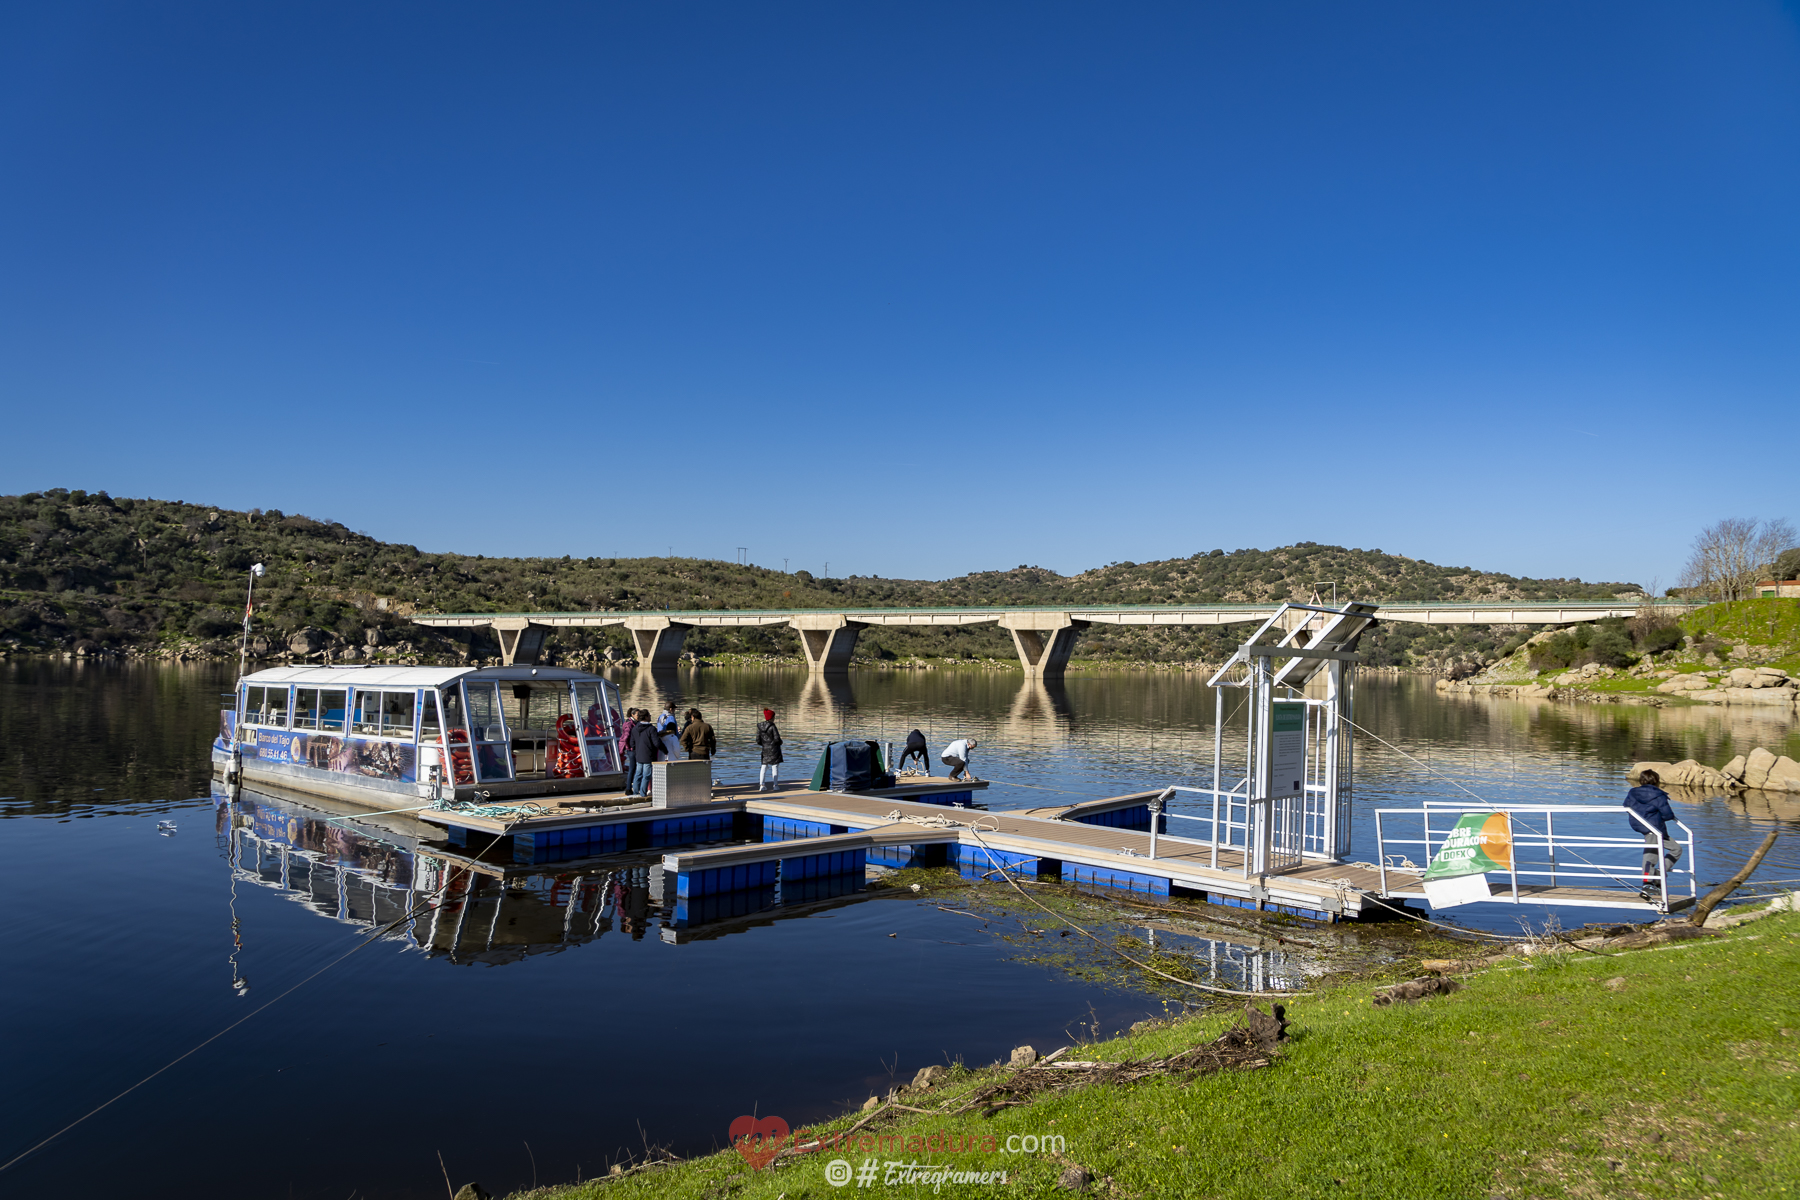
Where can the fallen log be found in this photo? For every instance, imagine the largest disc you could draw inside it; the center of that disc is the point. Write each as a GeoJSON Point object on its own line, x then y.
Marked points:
{"type": "Point", "coordinates": [1713, 898]}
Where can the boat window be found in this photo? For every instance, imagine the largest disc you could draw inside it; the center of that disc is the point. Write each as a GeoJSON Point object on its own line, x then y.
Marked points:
{"type": "Point", "coordinates": [266, 705]}
{"type": "Point", "coordinates": [306, 708]}
{"type": "Point", "coordinates": [484, 712]}
{"type": "Point", "coordinates": [331, 710]}
{"type": "Point", "coordinates": [453, 714]}
{"type": "Point", "coordinates": [590, 711]}
{"type": "Point", "coordinates": [367, 719]}
{"type": "Point", "coordinates": [429, 728]}
{"type": "Point", "coordinates": [535, 707]}
{"type": "Point", "coordinates": [397, 715]}
{"type": "Point", "coordinates": [493, 761]}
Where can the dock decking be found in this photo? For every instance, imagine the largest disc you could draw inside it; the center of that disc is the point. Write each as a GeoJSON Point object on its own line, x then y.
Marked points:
{"type": "Point", "coordinates": [746, 839]}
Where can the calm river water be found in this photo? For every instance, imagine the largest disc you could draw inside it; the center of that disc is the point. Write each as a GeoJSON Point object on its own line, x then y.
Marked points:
{"type": "Point", "coordinates": [584, 1026]}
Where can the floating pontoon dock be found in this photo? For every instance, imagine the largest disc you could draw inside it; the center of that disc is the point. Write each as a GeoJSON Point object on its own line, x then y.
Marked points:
{"type": "Point", "coordinates": [1277, 838]}
{"type": "Point", "coordinates": [744, 839]}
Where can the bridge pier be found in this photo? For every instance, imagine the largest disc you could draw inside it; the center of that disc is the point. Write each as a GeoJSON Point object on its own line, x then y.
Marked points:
{"type": "Point", "coordinates": [658, 640]}
{"type": "Point", "coordinates": [520, 640]}
{"type": "Point", "coordinates": [1044, 641]}
{"type": "Point", "coordinates": [827, 641]}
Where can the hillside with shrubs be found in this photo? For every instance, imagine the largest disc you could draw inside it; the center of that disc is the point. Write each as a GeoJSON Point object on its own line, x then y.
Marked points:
{"type": "Point", "coordinates": [95, 575]}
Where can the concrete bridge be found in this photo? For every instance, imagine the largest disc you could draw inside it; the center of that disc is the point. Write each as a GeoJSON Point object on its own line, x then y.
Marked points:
{"type": "Point", "coordinates": [1044, 637]}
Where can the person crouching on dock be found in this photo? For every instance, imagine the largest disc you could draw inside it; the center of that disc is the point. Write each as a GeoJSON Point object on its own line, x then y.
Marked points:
{"type": "Point", "coordinates": [956, 757]}
{"type": "Point", "coordinates": [915, 748]}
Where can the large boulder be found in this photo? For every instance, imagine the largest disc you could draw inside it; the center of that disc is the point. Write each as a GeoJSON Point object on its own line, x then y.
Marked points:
{"type": "Point", "coordinates": [1734, 770]}
{"type": "Point", "coordinates": [307, 641]}
{"type": "Point", "coordinates": [1743, 677]}
{"type": "Point", "coordinates": [1756, 767]}
{"type": "Point", "coordinates": [1684, 683]}
{"type": "Point", "coordinates": [1770, 677]}
{"type": "Point", "coordinates": [1783, 776]}
{"type": "Point", "coordinates": [1696, 775]}
{"type": "Point", "coordinates": [1760, 695]}
{"type": "Point", "coordinates": [1662, 769]}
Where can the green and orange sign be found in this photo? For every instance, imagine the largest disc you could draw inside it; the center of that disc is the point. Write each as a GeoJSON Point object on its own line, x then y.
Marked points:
{"type": "Point", "coordinates": [1481, 842]}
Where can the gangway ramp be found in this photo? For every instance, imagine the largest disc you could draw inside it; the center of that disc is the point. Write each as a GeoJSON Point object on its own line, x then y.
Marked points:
{"type": "Point", "coordinates": [1557, 854]}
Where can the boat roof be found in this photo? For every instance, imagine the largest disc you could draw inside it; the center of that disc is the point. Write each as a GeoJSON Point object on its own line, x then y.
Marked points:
{"type": "Point", "coordinates": [361, 676]}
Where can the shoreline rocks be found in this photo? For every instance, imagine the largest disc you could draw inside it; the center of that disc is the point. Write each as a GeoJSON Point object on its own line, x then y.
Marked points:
{"type": "Point", "coordinates": [1759, 771]}
{"type": "Point", "coordinates": [1546, 691]}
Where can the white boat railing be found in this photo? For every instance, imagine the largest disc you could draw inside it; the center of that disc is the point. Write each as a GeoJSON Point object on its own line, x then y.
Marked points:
{"type": "Point", "coordinates": [1541, 857]}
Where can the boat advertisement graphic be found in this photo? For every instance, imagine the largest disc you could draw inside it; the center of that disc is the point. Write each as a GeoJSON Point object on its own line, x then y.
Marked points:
{"type": "Point", "coordinates": [372, 758]}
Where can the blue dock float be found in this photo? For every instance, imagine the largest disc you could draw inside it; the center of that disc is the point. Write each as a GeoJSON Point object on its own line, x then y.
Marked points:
{"type": "Point", "coordinates": [764, 864]}
{"type": "Point", "coordinates": [798, 869]}
{"type": "Point", "coordinates": [1136, 817]}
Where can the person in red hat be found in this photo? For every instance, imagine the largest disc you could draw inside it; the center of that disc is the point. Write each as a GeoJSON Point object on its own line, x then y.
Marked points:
{"type": "Point", "coordinates": [768, 740]}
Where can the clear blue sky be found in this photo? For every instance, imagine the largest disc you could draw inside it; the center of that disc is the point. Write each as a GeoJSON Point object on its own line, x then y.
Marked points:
{"type": "Point", "coordinates": [914, 289]}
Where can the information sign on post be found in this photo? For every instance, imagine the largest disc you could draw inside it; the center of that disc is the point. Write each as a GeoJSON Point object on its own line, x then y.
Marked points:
{"type": "Point", "coordinates": [1286, 764]}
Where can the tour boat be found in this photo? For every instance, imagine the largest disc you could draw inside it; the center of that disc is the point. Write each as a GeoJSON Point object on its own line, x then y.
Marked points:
{"type": "Point", "coordinates": [370, 735]}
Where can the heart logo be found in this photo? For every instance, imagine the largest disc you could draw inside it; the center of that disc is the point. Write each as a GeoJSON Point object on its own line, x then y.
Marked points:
{"type": "Point", "coordinates": [758, 1141]}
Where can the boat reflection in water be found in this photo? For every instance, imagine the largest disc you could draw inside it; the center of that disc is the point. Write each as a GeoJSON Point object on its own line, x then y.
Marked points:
{"type": "Point", "coordinates": [385, 874]}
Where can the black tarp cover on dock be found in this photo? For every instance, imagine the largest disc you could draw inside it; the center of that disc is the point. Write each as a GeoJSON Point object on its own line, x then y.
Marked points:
{"type": "Point", "coordinates": [851, 767]}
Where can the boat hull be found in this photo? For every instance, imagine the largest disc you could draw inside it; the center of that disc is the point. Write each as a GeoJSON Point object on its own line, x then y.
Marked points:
{"type": "Point", "coordinates": [378, 793]}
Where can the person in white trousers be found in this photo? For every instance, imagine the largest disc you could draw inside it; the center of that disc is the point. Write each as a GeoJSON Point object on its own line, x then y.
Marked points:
{"type": "Point", "coordinates": [768, 740]}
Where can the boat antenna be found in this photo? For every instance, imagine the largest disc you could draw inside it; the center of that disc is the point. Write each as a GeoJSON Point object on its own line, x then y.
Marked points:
{"type": "Point", "coordinates": [256, 569]}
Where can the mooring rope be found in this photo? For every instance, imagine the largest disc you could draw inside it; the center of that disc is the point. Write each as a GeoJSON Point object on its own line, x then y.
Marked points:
{"type": "Point", "coordinates": [935, 822]}
{"type": "Point", "coordinates": [367, 939]}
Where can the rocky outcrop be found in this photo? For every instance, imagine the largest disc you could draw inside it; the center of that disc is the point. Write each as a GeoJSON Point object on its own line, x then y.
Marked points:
{"type": "Point", "coordinates": [1685, 774]}
{"type": "Point", "coordinates": [1760, 770]}
{"type": "Point", "coordinates": [1741, 685]}
{"type": "Point", "coordinates": [1544, 691]}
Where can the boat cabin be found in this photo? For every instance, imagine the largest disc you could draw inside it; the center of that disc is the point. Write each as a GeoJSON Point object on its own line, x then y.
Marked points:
{"type": "Point", "coordinates": [514, 731]}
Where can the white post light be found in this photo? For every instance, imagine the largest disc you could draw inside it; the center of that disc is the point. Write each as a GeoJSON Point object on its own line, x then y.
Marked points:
{"type": "Point", "coordinates": [256, 569]}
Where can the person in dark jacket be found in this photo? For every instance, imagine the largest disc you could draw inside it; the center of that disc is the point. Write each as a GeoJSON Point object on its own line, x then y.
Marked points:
{"type": "Point", "coordinates": [697, 737]}
{"type": "Point", "coordinates": [1649, 810]}
{"type": "Point", "coordinates": [627, 760]}
{"type": "Point", "coordinates": [646, 747]}
{"type": "Point", "coordinates": [768, 740]}
{"type": "Point", "coordinates": [915, 748]}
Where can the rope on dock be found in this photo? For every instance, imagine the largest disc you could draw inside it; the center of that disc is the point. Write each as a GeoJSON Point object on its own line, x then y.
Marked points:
{"type": "Point", "coordinates": [497, 812]}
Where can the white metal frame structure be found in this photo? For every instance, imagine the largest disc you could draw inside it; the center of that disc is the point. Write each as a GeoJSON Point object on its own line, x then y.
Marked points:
{"type": "Point", "coordinates": [1278, 833]}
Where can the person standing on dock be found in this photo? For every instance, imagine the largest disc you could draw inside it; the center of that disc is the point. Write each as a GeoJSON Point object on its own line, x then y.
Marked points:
{"type": "Point", "coordinates": [697, 737]}
{"type": "Point", "coordinates": [628, 760]}
{"type": "Point", "coordinates": [915, 748]}
{"type": "Point", "coordinates": [1650, 811]}
{"type": "Point", "coordinates": [956, 757]}
{"type": "Point", "coordinates": [768, 740]}
{"type": "Point", "coordinates": [647, 747]}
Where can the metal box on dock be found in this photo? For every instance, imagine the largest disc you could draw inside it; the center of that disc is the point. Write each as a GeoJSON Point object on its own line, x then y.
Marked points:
{"type": "Point", "coordinates": [683, 781]}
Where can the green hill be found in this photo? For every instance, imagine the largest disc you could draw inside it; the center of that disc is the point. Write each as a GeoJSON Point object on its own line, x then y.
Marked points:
{"type": "Point", "coordinates": [93, 574]}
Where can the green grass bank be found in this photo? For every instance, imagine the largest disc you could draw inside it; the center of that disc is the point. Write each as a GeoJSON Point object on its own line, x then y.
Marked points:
{"type": "Point", "coordinates": [1668, 1072]}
